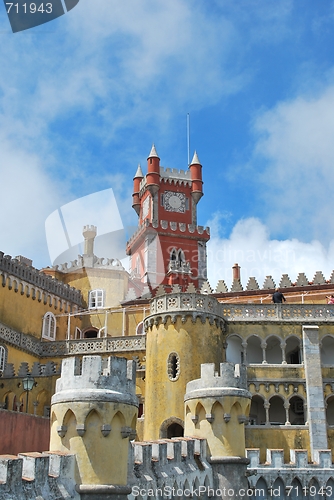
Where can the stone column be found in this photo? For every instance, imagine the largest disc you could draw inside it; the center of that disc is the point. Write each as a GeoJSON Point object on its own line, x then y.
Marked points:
{"type": "Point", "coordinates": [316, 415]}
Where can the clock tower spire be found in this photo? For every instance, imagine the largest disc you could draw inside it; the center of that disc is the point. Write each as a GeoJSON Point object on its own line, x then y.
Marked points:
{"type": "Point", "coordinates": [168, 248]}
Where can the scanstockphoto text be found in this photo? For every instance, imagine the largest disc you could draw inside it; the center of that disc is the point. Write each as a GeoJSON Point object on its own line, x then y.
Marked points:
{"type": "Point", "coordinates": [292, 491]}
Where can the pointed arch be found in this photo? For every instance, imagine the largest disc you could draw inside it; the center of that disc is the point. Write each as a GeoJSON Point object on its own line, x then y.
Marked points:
{"type": "Point", "coordinates": [43, 400]}
{"type": "Point", "coordinates": [261, 489]}
{"type": "Point", "coordinates": [200, 412]}
{"type": "Point", "coordinates": [118, 420]}
{"type": "Point", "coordinates": [235, 411]}
{"type": "Point", "coordinates": [278, 489]}
{"type": "Point", "coordinates": [330, 489]}
{"type": "Point", "coordinates": [296, 492]}
{"type": "Point", "coordinates": [314, 488]}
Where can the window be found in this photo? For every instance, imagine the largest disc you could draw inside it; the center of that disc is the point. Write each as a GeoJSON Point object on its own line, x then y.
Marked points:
{"type": "Point", "coordinates": [96, 299]}
{"type": "Point", "coordinates": [78, 333]}
{"type": "Point", "coordinates": [140, 329]}
{"type": "Point", "coordinates": [2, 358]}
{"type": "Point", "coordinates": [49, 326]}
{"type": "Point", "coordinates": [173, 366]}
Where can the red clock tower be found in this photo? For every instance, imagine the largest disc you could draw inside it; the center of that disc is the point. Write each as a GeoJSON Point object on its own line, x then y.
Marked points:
{"type": "Point", "coordinates": [168, 247]}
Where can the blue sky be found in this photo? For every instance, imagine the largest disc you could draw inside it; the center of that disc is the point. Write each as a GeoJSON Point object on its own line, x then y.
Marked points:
{"type": "Point", "coordinates": [83, 98]}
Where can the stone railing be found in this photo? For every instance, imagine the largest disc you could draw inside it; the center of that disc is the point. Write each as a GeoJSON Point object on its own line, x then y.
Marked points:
{"type": "Point", "coordinates": [94, 346]}
{"type": "Point", "coordinates": [189, 302]}
{"type": "Point", "coordinates": [305, 313]}
{"type": "Point", "coordinates": [71, 347]}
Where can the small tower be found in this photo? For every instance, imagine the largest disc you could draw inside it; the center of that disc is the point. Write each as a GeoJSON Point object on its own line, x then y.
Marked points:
{"type": "Point", "coordinates": [136, 189]}
{"type": "Point", "coordinates": [93, 415]}
{"type": "Point", "coordinates": [183, 330]}
{"type": "Point", "coordinates": [168, 247]}
{"type": "Point", "coordinates": [195, 168]}
{"type": "Point", "coordinates": [216, 408]}
{"type": "Point", "coordinates": [89, 233]}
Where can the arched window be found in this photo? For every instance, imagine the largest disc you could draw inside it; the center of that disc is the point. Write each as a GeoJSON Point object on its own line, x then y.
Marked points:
{"type": "Point", "coordinates": [173, 366]}
{"type": "Point", "coordinates": [181, 257]}
{"type": "Point", "coordinates": [140, 328]}
{"type": "Point", "coordinates": [96, 299]}
{"type": "Point", "coordinates": [173, 255]}
{"type": "Point", "coordinates": [49, 326]}
{"type": "Point", "coordinates": [3, 354]}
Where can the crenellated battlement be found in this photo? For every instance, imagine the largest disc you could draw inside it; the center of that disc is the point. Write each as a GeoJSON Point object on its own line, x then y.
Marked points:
{"type": "Point", "coordinates": [96, 379]}
{"type": "Point", "coordinates": [298, 472]}
{"type": "Point", "coordinates": [230, 376]}
{"type": "Point", "coordinates": [97, 263]}
{"type": "Point", "coordinates": [179, 463]}
{"type": "Point", "coordinates": [37, 475]}
{"type": "Point", "coordinates": [28, 275]}
{"type": "Point", "coordinates": [301, 282]}
{"type": "Point", "coordinates": [189, 230]}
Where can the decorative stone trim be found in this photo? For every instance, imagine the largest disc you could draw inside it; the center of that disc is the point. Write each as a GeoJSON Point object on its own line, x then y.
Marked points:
{"type": "Point", "coordinates": [184, 305]}
{"type": "Point", "coordinates": [126, 432]}
{"type": "Point", "coordinates": [61, 430]}
{"type": "Point", "coordinates": [105, 430]}
{"type": "Point", "coordinates": [210, 417]}
{"type": "Point", "coordinates": [28, 275]}
{"type": "Point", "coordinates": [227, 417]}
{"type": "Point", "coordinates": [81, 429]}
{"type": "Point", "coordinates": [32, 345]}
{"type": "Point", "coordinates": [242, 419]}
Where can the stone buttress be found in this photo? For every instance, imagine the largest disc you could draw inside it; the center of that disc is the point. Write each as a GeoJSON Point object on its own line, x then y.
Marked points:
{"type": "Point", "coordinates": [93, 415]}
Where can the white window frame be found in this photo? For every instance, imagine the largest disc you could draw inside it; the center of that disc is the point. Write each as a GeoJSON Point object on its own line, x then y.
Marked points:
{"type": "Point", "coordinates": [78, 333]}
{"type": "Point", "coordinates": [3, 355]}
{"type": "Point", "coordinates": [49, 326]}
{"type": "Point", "coordinates": [96, 299]}
{"type": "Point", "coordinates": [140, 328]}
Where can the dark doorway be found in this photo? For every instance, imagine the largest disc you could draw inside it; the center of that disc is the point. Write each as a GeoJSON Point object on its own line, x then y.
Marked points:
{"type": "Point", "coordinates": [174, 430]}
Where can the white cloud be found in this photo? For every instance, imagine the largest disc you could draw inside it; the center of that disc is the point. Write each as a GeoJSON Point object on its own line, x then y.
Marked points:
{"type": "Point", "coordinates": [295, 149]}
{"type": "Point", "coordinates": [27, 197]}
{"type": "Point", "coordinates": [258, 255]}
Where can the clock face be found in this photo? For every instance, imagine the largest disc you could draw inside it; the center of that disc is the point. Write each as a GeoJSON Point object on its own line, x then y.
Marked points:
{"type": "Point", "coordinates": [174, 202]}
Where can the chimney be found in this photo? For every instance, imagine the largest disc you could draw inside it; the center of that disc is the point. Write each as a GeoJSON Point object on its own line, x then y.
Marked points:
{"type": "Point", "coordinates": [236, 272]}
